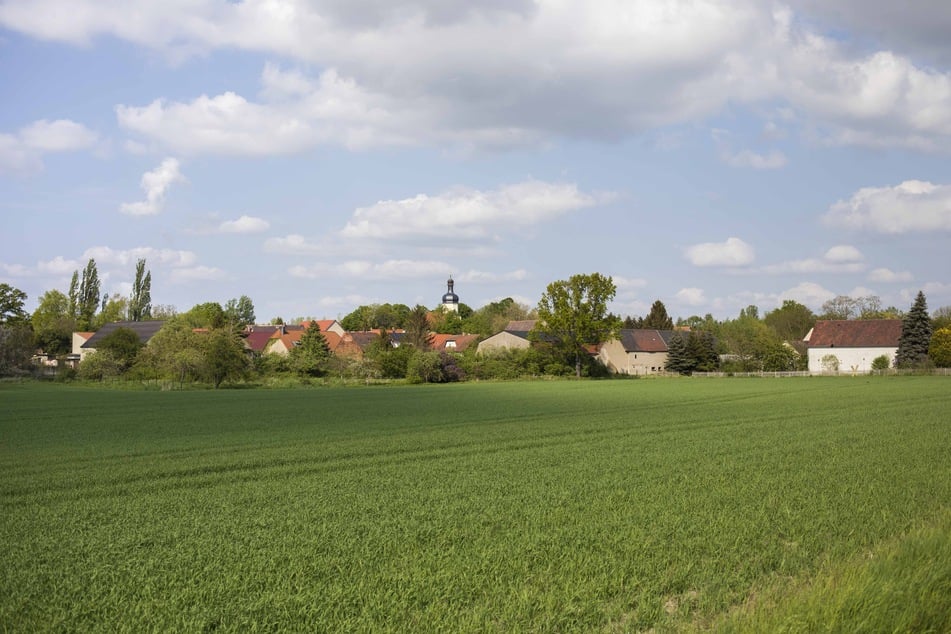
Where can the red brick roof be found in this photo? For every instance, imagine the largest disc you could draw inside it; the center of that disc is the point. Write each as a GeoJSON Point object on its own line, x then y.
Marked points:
{"type": "Point", "coordinates": [441, 341]}
{"type": "Point", "coordinates": [860, 333]}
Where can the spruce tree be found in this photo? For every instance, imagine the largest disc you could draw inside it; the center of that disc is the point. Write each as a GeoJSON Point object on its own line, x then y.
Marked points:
{"type": "Point", "coordinates": [310, 357]}
{"type": "Point", "coordinates": [915, 335]}
{"type": "Point", "coordinates": [678, 355]}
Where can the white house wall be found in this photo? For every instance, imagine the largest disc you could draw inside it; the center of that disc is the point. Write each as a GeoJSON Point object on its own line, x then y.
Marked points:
{"type": "Point", "coordinates": [850, 359]}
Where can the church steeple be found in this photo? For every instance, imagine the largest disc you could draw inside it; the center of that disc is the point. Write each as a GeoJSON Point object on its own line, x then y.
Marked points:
{"type": "Point", "coordinates": [450, 301]}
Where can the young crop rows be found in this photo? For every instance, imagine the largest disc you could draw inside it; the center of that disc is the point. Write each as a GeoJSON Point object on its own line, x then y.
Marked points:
{"type": "Point", "coordinates": [549, 506]}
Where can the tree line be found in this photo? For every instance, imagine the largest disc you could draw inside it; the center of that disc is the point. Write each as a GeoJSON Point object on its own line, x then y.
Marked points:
{"type": "Point", "coordinates": [204, 344]}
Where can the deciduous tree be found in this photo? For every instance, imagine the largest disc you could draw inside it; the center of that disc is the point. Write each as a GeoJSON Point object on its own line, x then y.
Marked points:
{"type": "Point", "coordinates": [89, 295]}
{"type": "Point", "coordinates": [940, 348]}
{"type": "Point", "coordinates": [52, 324]}
{"type": "Point", "coordinates": [239, 312]}
{"type": "Point", "coordinates": [11, 304]}
{"type": "Point", "coordinates": [140, 303]}
{"type": "Point", "coordinates": [791, 321]}
{"type": "Point", "coordinates": [573, 313]}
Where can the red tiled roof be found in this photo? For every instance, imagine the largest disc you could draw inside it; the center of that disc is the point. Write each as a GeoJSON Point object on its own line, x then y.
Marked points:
{"type": "Point", "coordinates": [257, 340]}
{"type": "Point", "coordinates": [324, 324]}
{"type": "Point", "coordinates": [440, 341]}
{"type": "Point", "coordinates": [856, 333]}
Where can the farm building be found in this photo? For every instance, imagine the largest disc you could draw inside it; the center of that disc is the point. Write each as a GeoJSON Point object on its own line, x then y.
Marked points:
{"type": "Point", "coordinates": [636, 351]}
{"type": "Point", "coordinates": [851, 345]}
{"type": "Point", "coordinates": [515, 336]}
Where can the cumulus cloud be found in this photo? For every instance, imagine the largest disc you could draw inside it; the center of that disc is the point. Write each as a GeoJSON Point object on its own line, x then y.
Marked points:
{"type": "Point", "coordinates": [910, 206]}
{"type": "Point", "coordinates": [57, 266]}
{"type": "Point", "coordinates": [889, 276]}
{"type": "Point", "coordinates": [363, 269]}
{"type": "Point", "coordinates": [623, 283]}
{"type": "Point", "coordinates": [734, 252]}
{"type": "Point", "coordinates": [126, 257]}
{"type": "Point", "coordinates": [195, 274]}
{"type": "Point", "coordinates": [466, 214]}
{"type": "Point", "coordinates": [602, 69]}
{"type": "Point", "coordinates": [155, 184]}
{"type": "Point", "coordinates": [808, 293]}
{"type": "Point", "coordinates": [691, 296]}
{"type": "Point", "coordinates": [24, 150]}
{"type": "Point", "coordinates": [747, 158]}
{"type": "Point", "coordinates": [842, 258]}
{"type": "Point", "coordinates": [486, 277]}
{"type": "Point", "coordinates": [244, 224]}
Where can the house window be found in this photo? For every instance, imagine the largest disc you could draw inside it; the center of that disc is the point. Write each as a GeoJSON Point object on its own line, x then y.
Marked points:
{"type": "Point", "coordinates": [450, 344]}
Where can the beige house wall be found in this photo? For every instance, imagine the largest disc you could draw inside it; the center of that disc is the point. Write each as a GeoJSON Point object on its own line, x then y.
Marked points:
{"type": "Point", "coordinates": [502, 341]}
{"type": "Point", "coordinates": [613, 355]}
{"type": "Point", "coordinates": [78, 341]}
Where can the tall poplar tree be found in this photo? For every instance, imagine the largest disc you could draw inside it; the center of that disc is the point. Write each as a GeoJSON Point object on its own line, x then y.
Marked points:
{"type": "Point", "coordinates": [89, 295]}
{"type": "Point", "coordinates": [915, 335]}
{"type": "Point", "coordinates": [140, 304]}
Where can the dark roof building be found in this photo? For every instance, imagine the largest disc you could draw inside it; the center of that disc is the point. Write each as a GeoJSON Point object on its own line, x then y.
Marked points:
{"type": "Point", "coordinates": [144, 329]}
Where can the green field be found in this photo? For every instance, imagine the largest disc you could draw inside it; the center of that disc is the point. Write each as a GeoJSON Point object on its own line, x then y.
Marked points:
{"type": "Point", "coordinates": [540, 506]}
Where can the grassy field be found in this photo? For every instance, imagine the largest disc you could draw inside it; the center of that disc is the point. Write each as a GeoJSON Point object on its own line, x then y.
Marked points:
{"type": "Point", "coordinates": [815, 504]}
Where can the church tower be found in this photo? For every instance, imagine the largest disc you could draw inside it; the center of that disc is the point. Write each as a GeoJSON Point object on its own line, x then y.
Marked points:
{"type": "Point", "coordinates": [450, 301]}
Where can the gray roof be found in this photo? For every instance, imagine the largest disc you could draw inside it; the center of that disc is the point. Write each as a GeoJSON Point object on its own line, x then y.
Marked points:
{"type": "Point", "coordinates": [144, 329]}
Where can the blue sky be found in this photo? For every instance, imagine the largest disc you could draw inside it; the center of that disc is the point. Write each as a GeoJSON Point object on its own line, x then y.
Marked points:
{"type": "Point", "coordinates": [320, 155]}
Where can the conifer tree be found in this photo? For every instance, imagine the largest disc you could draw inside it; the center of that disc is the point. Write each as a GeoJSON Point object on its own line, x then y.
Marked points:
{"type": "Point", "coordinates": [915, 335]}
{"type": "Point", "coordinates": [311, 355]}
{"type": "Point", "coordinates": [678, 355]}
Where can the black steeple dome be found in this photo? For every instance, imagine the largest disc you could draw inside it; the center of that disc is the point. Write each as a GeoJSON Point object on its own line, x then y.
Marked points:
{"type": "Point", "coordinates": [450, 297]}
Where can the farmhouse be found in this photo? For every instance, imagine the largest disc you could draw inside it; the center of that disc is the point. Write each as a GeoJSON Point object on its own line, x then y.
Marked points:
{"type": "Point", "coordinates": [515, 336]}
{"type": "Point", "coordinates": [144, 329]}
{"type": "Point", "coordinates": [851, 345]}
{"type": "Point", "coordinates": [636, 351]}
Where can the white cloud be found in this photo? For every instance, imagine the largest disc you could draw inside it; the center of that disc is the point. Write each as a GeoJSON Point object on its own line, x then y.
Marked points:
{"type": "Point", "coordinates": [466, 214]}
{"type": "Point", "coordinates": [731, 253]}
{"type": "Point", "coordinates": [691, 296]}
{"type": "Point", "coordinates": [844, 253]}
{"type": "Point", "coordinates": [485, 277]}
{"type": "Point", "coordinates": [244, 224]}
{"type": "Point", "coordinates": [195, 274]}
{"type": "Point", "coordinates": [807, 293]}
{"type": "Point", "coordinates": [628, 283]}
{"type": "Point", "coordinates": [889, 276]}
{"type": "Point", "coordinates": [155, 184]}
{"type": "Point", "coordinates": [911, 206]}
{"type": "Point", "coordinates": [58, 266]}
{"type": "Point", "coordinates": [842, 258]}
{"type": "Point", "coordinates": [292, 244]}
{"type": "Point", "coordinates": [126, 257]}
{"type": "Point", "coordinates": [387, 270]}
{"type": "Point", "coordinates": [747, 158]}
{"type": "Point", "coordinates": [24, 150]}
{"type": "Point", "coordinates": [600, 69]}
